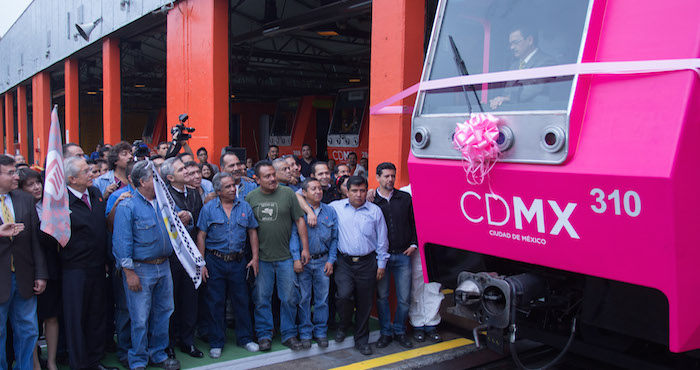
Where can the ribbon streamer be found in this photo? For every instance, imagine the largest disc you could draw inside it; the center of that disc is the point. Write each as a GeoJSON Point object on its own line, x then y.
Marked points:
{"type": "Point", "coordinates": [599, 68]}
{"type": "Point", "coordinates": [476, 140]}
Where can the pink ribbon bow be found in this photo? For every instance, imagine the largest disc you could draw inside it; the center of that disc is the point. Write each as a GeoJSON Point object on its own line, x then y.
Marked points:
{"type": "Point", "coordinates": [476, 140]}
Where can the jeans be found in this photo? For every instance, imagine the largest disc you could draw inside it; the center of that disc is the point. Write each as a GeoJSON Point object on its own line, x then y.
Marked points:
{"type": "Point", "coordinates": [150, 310]}
{"type": "Point", "coordinates": [229, 276]}
{"type": "Point", "coordinates": [314, 278]}
{"type": "Point", "coordinates": [398, 266]}
{"type": "Point", "coordinates": [121, 316]}
{"type": "Point", "coordinates": [25, 329]}
{"type": "Point", "coordinates": [283, 273]}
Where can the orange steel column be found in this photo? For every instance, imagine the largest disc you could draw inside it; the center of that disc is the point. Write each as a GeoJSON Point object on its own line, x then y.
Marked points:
{"type": "Point", "coordinates": [22, 120]}
{"type": "Point", "coordinates": [9, 124]}
{"type": "Point", "coordinates": [398, 28]}
{"type": "Point", "coordinates": [197, 71]}
{"type": "Point", "coordinates": [72, 105]}
{"type": "Point", "coordinates": [41, 117]}
{"type": "Point", "coordinates": [111, 92]}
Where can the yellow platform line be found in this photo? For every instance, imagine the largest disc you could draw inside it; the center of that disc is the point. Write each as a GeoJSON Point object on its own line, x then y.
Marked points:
{"type": "Point", "coordinates": [407, 355]}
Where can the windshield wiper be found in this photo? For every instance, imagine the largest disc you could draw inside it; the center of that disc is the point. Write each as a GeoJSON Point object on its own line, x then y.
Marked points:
{"type": "Point", "coordinates": [462, 68]}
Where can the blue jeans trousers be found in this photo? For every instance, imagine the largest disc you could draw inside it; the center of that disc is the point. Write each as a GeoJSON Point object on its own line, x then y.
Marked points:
{"type": "Point", "coordinates": [313, 281]}
{"type": "Point", "coordinates": [282, 273]}
{"type": "Point", "coordinates": [231, 277]}
{"type": "Point", "coordinates": [25, 329]}
{"type": "Point", "coordinates": [149, 311]}
{"type": "Point", "coordinates": [398, 267]}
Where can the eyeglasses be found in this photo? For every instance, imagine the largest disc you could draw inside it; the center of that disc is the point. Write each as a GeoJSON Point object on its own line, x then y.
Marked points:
{"type": "Point", "coordinates": [9, 173]}
{"type": "Point", "coordinates": [515, 42]}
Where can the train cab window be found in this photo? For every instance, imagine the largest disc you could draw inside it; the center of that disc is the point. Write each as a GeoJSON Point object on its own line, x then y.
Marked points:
{"type": "Point", "coordinates": [283, 122]}
{"type": "Point", "coordinates": [483, 36]}
{"type": "Point", "coordinates": [348, 114]}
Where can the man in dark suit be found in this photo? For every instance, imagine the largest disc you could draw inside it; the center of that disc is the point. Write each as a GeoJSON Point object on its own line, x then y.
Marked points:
{"type": "Point", "coordinates": [83, 260]}
{"type": "Point", "coordinates": [23, 271]}
{"type": "Point", "coordinates": [183, 320]}
{"type": "Point", "coordinates": [523, 44]}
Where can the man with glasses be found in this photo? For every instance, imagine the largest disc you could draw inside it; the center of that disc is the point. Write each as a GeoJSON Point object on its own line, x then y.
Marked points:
{"type": "Point", "coordinates": [523, 44]}
{"type": "Point", "coordinates": [83, 262]}
{"type": "Point", "coordinates": [185, 294]}
{"type": "Point", "coordinates": [23, 270]}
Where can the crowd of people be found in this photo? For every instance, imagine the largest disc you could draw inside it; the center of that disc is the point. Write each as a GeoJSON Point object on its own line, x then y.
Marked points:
{"type": "Point", "coordinates": [311, 231]}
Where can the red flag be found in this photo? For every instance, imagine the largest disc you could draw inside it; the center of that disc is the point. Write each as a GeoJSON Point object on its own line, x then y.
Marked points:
{"type": "Point", "coordinates": [55, 215]}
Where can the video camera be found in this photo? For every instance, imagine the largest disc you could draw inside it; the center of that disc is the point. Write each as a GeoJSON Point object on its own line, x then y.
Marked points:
{"type": "Point", "coordinates": [140, 149]}
{"type": "Point", "coordinates": [180, 131]}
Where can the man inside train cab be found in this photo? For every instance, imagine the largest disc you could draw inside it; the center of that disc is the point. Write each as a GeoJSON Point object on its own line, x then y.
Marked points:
{"type": "Point", "coordinates": [523, 44]}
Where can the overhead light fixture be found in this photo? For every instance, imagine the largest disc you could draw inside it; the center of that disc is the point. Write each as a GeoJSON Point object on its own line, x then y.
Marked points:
{"type": "Point", "coordinates": [233, 96]}
{"type": "Point", "coordinates": [139, 85]}
{"type": "Point", "coordinates": [327, 33]}
{"type": "Point", "coordinates": [271, 30]}
{"type": "Point", "coordinates": [92, 92]}
{"type": "Point", "coordinates": [86, 28]}
{"type": "Point", "coordinates": [354, 80]}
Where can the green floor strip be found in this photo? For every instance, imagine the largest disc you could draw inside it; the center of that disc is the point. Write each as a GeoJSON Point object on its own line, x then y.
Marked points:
{"type": "Point", "coordinates": [230, 351]}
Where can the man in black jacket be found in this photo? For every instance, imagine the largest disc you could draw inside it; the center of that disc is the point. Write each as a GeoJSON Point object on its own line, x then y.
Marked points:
{"type": "Point", "coordinates": [184, 319]}
{"type": "Point", "coordinates": [83, 261]}
{"type": "Point", "coordinates": [320, 171]}
{"type": "Point", "coordinates": [397, 207]}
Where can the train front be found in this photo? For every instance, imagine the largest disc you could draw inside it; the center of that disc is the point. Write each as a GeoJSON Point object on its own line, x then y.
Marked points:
{"type": "Point", "coordinates": [588, 219]}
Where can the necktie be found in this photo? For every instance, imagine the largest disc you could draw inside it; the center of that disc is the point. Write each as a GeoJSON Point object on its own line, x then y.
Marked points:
{"type": "Point", "coordinates": [7, 217]}
{"type": "Point", "coordinates": [85, 199]}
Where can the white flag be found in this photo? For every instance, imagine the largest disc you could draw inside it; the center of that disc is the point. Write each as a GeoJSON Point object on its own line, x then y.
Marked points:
{"type": "Point", "coordinates": [183, 245]}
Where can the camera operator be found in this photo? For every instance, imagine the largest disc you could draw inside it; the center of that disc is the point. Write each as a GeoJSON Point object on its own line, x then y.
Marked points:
{"type": "Point", "coordinates": [181, 134]}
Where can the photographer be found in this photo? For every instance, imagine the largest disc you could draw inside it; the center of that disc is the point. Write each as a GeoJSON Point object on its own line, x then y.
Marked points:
{"type": "Point", "coordinates": [181, 134]}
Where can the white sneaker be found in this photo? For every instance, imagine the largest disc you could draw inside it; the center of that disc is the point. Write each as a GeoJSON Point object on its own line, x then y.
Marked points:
{"type": "Point", "coordinates": [252, 347]}
{"type": "Point", "coordinates": [215, 352]}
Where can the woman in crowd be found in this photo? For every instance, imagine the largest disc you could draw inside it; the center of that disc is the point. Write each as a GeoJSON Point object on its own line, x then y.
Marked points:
{"type": "Point", "coordinates": [342, 186]}
{"type": "Point", "coordinates": [207, 171]}
{"type": "Point", "coordinates": [48, 303]}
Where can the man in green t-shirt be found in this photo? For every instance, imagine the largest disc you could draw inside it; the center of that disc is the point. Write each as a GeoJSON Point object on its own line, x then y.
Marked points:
{"type": "Point", "coordinates": [275, 208]}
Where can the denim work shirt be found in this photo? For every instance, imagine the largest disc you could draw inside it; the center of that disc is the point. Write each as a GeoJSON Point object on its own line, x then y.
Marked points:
{"type": "Point", "coordinates": [223, 234]}
{"type": "Point", "coordinates": [322, 238]}
{"type": "Point", "coordinates": [104, 181]}
{"type": "Point", "coordinates": [139, 232]}
{"type": "Point", "coordinates": [244, 188]}
{"type": "Point", "coordinates": [114, 196]}
{"type": "Point", "coordinates": [362, 230]}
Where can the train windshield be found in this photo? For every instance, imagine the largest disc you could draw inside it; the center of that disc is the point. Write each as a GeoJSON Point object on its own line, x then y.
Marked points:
{"type": "Point", "coordinates": [283, 121]}
{"type": "Point", "coordinates": [348, 112]}
{"type": "Point", "coordinates": [482, 36]}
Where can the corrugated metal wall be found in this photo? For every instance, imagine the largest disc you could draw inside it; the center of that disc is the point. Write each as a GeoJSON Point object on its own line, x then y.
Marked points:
{"type": "Point", "coordinates": [44, 34]}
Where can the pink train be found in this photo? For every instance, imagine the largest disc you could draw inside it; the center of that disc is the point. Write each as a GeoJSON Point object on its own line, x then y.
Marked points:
{"type": "Point", "coordinates": [586, 222]}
